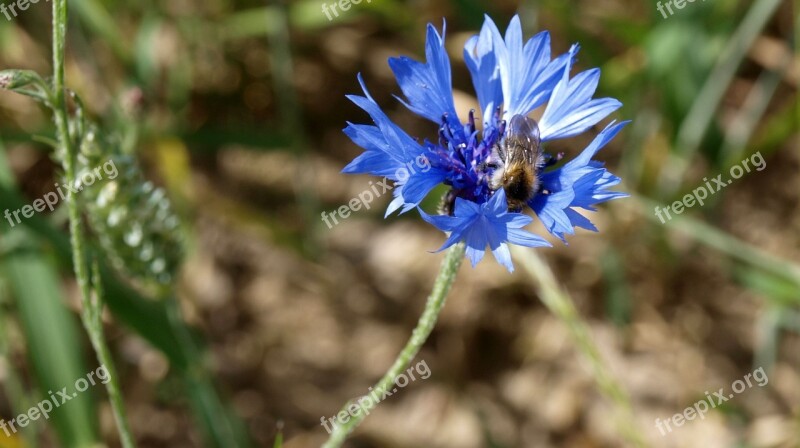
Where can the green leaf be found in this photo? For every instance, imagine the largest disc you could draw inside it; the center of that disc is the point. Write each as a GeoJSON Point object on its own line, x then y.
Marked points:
{"type": "Point", "coordinates": [776, 289]}
{"type": "Point", "coordinates": [25, 82]}
{"type": "Point", "coordinates": [52, 335]}
{"type": "Point", "coordinates": [149, 320]}
{"type": "Point", "coordinates": [51, 331]}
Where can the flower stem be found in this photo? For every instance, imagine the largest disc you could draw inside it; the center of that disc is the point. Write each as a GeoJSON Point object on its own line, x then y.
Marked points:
{"type": "Point", "coordinates": [91, 308]}
{"type": "Point", "coordinates": [436, 300]}
{"type": "Point", "coordinates": [558, 301]}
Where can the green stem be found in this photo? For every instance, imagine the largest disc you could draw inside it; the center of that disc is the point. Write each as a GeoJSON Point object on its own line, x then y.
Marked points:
{"type": "Point", "coordinates": [427, 321]}
{"type": "Point", "coordinates": [93, 315]}
{"type": "Point", "coordinates": [560, 304]}
{"type": "Point", "coordinates": [91, 309]}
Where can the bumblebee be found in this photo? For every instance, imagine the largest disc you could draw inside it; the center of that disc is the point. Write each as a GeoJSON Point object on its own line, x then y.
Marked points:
{"type": "Point", "coordinates": [517, 161]}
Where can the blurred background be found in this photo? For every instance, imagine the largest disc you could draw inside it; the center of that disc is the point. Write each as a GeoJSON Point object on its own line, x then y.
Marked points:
{"type": "Point", "coordinates": [238, 109]}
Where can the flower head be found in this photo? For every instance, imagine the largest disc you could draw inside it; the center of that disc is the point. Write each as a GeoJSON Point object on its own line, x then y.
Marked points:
{"type": "Point", "coordinates": [493, 171]}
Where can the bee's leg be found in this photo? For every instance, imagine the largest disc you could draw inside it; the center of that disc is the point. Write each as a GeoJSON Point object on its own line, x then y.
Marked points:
{"type": "Point", "coordinates": [499, 151]}
{"type": "Point", "coordinates": [550, 160]}
{"type": "Point", "coordinates": [448, 203]}
{"type": "Point", "coordinates": [514, 206]}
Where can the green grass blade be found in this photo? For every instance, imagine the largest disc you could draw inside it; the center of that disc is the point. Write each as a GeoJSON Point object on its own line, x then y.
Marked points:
{"type": "Point", "coordinates": [52, 336]}
{"type": "Point", "coordinates": [18, 396]}
{"type": "Point", "coordinates": [559, 302]}
{"type": "Point", "coordinates": [95, 15]}
{"type": "Point", "coordinates": [725, 243]}
{"type": "Point", "coordinates": [746, 121]}
{"type": "Point", "coordinates": [211, 413]}
{"type": "Point", "coordinates": [149, 319]}
{"type": "Point", "coordinates": [703, 110]}
{"type": "Point", "coordinates": [51, 331]}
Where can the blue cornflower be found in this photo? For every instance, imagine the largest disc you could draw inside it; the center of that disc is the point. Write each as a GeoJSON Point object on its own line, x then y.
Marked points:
{"type": "Point", "coordinates": [511, 79]}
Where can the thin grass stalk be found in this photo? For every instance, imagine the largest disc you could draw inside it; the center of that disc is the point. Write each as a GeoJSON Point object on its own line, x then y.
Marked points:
{"type": "Point", "coordinates": [558, 301]}
{"type": "Point", "coordinates": [91, 308]}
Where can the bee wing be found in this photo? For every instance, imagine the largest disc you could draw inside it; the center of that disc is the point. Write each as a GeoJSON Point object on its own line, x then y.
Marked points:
{"type": "Point", "coordinates": [522, 140]}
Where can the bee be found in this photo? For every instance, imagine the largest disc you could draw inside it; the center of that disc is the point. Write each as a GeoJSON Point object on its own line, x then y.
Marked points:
{"type": "Point", "coordinates": [517, 161]}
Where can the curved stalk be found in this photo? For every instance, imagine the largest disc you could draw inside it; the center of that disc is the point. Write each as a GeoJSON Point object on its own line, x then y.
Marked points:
{"type": "Point", "coordinates": [434, 305]}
